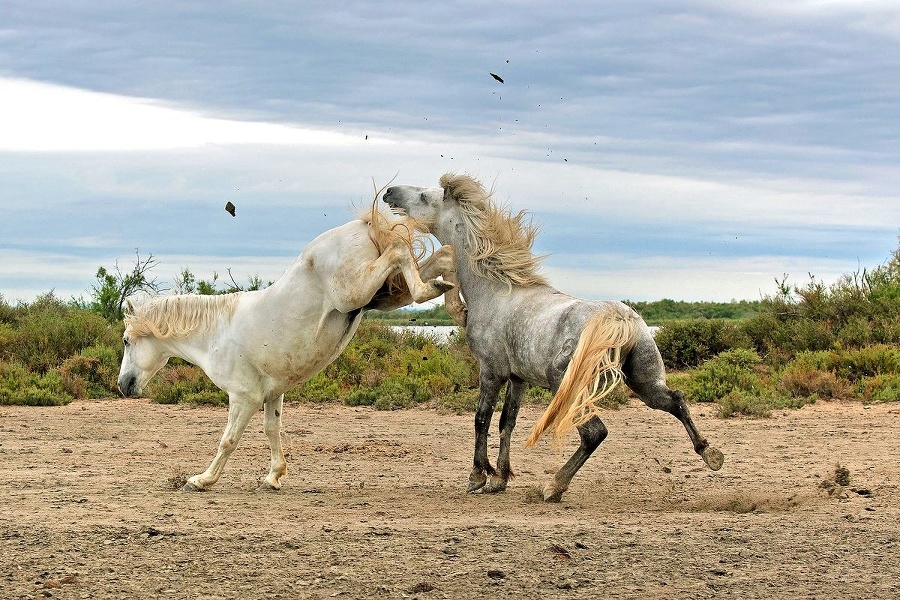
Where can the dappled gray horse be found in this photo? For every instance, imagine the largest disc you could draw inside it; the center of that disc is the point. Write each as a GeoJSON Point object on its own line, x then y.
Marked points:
{"type": "Point", "coordinates": [523, 331]}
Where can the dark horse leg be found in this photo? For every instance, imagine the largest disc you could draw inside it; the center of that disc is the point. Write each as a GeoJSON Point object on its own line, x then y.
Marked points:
{"type": "Point", "coordinates": [592, 434]}
{"type": "Point", "coordinates": [645, 374]}
{"type": "Point", "coordinates": [488, 390]}
{"type": "Point", "coordinates": [515, 389]}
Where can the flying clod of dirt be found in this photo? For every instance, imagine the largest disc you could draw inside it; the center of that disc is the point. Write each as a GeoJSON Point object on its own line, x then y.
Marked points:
{"type": "Point", "coordinates": [841, 475]}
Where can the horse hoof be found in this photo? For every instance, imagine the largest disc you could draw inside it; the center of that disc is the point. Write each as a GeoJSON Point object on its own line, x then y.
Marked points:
{"type": "Point", "coordinates": [713, 458]}
{"type": "Point", "coordinates": [495, 485]}
{"type": "Point", "coordinates": [552, 493]}
{"type": "Point", "coordinates": [190, 487]}
{"type": "Point", "coordinates": [268, 487]}
{"type": "Point", "coordinates": [441, 285]}
{"type": "Point", "coordinates": [476, 484]}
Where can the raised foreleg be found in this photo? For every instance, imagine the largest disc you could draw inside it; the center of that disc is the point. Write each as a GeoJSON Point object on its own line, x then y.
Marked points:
{"type": "Point", "coordinates": [240, 409]}
{"type": "Point", "coordinates": [441, 263]}
{"type": "Point", "coordinates": [357, 287]}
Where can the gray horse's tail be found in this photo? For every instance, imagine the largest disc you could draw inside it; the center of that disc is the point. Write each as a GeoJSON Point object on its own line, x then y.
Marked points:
{"type": "Point", "coordinates": [593, 372]}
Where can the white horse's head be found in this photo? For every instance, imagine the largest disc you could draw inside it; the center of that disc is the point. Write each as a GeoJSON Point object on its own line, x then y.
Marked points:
{"type": "Point", "coordinates": [142, 359]}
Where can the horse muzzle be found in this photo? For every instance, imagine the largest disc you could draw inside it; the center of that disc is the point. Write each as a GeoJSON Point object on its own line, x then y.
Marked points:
{"type": "Point", "coordinates": [128, 386]}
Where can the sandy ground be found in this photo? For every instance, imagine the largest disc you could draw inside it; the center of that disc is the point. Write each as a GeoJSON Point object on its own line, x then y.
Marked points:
{"type": "Point", "coordinates": [374, 506]}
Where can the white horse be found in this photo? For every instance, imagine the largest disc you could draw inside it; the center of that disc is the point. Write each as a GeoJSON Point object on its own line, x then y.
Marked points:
{"type": "Point", "coordinates": [257, 345]}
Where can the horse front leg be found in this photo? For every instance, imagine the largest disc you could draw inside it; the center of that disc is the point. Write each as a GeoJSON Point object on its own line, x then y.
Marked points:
{"type": "Point", "coordinates": [272, 427]}
{"type": "Point", "coordinates": [489, 389]}
{"type": "Point", "coordinates": [515, 390]}
{"type": "Point", "coordinates": [419, 290]}
{"type": "Point", "coordinates": [442, 262]}
{"type": "Point", "coordinates": [364, 285]}
{"type": "Point", "coordinates": [240, 409]}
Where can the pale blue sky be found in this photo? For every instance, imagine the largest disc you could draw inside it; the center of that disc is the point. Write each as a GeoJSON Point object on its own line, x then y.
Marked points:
{"type": "Point", "coordinates": [692, 150]}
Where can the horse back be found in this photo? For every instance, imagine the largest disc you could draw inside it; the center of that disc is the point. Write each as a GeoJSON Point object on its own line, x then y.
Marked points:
{"type": "Point", "coordinates": [532, 329]}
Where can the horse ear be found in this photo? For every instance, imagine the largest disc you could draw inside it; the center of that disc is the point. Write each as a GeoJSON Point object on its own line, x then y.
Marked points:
{"type": "Point", "coordinates": [129, 307]}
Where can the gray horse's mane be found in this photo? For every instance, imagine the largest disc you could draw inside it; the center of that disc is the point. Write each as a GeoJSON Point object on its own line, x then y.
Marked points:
{"type": "Point", "coordinates": [177, 316]}
{"type": "Point", "coordinates": [499, 242]}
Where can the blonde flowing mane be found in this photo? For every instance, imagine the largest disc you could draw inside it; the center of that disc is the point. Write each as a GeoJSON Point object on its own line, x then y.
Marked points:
{"type": "Point", "coordinates": [177, 316]}
{"type": "Point", "coordinates": [499, 242]}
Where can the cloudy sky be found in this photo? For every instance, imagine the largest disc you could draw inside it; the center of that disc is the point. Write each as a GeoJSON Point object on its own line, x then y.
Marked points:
{"type": "Point", "coordinates": [692, 150]}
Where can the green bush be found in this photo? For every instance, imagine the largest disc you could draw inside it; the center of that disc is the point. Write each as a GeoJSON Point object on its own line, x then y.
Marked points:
{"type": "Point", "coordinates": [211, 397]}
{"type": "Point", "coordinates": [93, 372]}
{"type": "Point", "coordinates": [19, 386]}
{"type": "Point", "coordinates": [400, 392]}
{"type": "Point", "coordinates": [49, 331]}
{"type": "Point", "coordinates": [729, 371]}
{"type": "Point", "coordinates": [317, 390]}
{"type": "Point", "coordinates": [185, 384]}
{"type": "Point", "coordinates": [742, 402]}
{"type": "Point", "coordinates": [461, 402]}
{"type": "Point", "coordinates": [799, 380]}
{"type": "Point", "coordinates": [881, 388]}
{"type": "Point", "coordinates": [687, 344]}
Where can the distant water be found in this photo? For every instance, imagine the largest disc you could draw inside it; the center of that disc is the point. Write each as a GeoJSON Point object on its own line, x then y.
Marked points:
{"type": "Point", "coordinates": [442, 333]}
{"type": "Point", "coordinates": [439, 333]}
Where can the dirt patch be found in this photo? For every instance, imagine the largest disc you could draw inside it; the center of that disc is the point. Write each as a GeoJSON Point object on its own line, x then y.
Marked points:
{"type": "Point", "coordinates": [374, 505]}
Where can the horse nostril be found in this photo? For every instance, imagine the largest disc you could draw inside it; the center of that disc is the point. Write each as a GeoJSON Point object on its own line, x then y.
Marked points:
{"type": "Point", "coordinates": [126, 387]}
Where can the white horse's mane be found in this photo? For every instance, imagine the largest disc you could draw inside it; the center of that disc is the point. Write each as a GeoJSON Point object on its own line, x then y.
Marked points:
{"type": "Point", "coordinates": [499, 242]}
{"type": "Point", "coordinates": [177, 316]}
{"type": "Point", "coordinates": [385, 226]}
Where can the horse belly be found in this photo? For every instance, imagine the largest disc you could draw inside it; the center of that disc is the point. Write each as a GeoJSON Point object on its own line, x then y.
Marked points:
{"type": "Point", "coordinates": [308, 359]}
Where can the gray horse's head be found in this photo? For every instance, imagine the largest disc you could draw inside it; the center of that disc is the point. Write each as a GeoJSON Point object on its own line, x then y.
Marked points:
{"type": "Point", "coordinates": [428, 206]}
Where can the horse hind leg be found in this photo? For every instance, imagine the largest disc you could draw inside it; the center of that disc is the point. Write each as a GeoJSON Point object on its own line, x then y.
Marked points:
{"type": "Point", "coordinates": [239, 412]}
{"type": "Point", "coordinates": [272, 427]}
{"type": "Point", "coordinates": [645, 375]}
{"type": "Point", "coordinates": [592, 434]}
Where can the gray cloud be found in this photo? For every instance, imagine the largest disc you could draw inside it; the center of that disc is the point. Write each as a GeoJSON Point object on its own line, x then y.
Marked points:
{"type": "Point", "coordinates": [727, 130]}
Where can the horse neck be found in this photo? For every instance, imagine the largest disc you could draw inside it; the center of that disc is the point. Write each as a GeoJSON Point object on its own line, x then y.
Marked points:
{"type": "Point", "coordinates": [475, 288]}
{"type": "Point", "coordinates": [193, 348]}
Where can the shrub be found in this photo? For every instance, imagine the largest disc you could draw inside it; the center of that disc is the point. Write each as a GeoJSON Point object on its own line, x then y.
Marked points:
{"type": "Point", "coordinates": [881, 388]}
{"type": "Point", "coordinates": [799, 381]}
{"type": "Point", "coordinates": [729, 371]}
{"type": "Point", "coordinates": [19, 386]}
{"type": "Point", "coordinates": [49, 331]}
{"type": "Point", "coordinates": [361, 397]}
{"type": "Point", "coordinates": [177, 384]}
{"type": "Point", "coordinates": [317, 390]}
{"type": "Point", "coordinates": [742, 402]}
{"type": "Point", "coordinates": [464, 401]}
{"type": "Point", "coordinates": [211, 397]}
{"type": "Point", "coordinates": [93, 372]}
{"type": "Point", "coordinates": [687, 344]}
{"type": "Point", "coordinates": [400, 392]}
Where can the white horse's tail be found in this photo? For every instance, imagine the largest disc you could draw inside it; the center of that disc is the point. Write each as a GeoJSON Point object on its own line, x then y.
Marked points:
{"type": "Point", "coordinates": [593, 372]}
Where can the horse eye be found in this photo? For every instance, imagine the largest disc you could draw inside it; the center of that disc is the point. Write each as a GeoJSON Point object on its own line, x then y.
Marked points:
{"type": "Point", "coordinates": [125, 341]}
{"type": "Point", "coordinates": [423, 198]}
